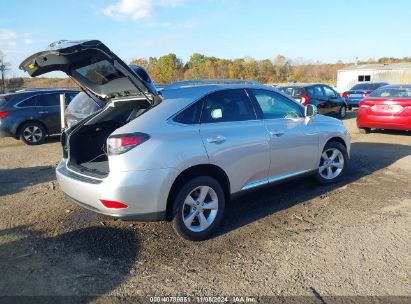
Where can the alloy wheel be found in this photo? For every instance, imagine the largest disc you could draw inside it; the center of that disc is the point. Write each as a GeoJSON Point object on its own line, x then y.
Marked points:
{"type": "Point", "coordinates": [200, 208]}
{"type": "Point", "coordinates": [32, 134]}
{"type": "Point", "coordinates": [332, 163]}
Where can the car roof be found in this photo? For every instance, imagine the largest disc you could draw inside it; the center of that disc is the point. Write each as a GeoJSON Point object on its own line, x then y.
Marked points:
{"type": "Point", "coordinates": [396, 86]}
{"type": "Point", "coordinates": [194, 92]}
{"type": "Point", "coordinates": [300, 85]}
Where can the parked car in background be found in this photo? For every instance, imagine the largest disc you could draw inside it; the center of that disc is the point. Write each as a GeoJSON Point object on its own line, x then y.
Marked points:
{"type": "Point", "coordinates": [360, 91]}
{"type": "Point", "coordinates": [388, 107]}
{"type": "Point", "coordinates": [32, 114]}
{"type": "Point", "coordinates": [82, 106]}
{"type": "Point", "coordinates": [181, 155]}
{"type": "Point", "coordinates": [326, 99]}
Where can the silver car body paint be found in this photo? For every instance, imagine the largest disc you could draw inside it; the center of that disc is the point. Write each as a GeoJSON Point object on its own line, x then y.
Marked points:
{"type": "Point", "coordinates": [251, 153]}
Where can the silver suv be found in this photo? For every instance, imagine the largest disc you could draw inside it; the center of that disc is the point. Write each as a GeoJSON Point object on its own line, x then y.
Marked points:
{"type": "Point", "coordinates": [181, 154]}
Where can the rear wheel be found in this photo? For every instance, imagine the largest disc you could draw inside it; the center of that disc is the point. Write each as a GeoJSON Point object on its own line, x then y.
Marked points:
{"type": "Point", "coordinates": [332, 164]}
{"type": "Point", "coordinates": [32, 133]}
{"type": "Point", "coordinates": [198, 208]}
{"type": "Point", "coordinates": [364, 130]}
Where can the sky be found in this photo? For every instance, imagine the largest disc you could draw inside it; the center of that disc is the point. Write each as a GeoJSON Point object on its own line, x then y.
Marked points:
{"type": "Point", "coordinates": [323, 30]}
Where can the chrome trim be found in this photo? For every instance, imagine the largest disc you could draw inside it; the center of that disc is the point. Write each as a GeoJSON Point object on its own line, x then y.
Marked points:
{"type": "Point", "coordinates": [272, 180]}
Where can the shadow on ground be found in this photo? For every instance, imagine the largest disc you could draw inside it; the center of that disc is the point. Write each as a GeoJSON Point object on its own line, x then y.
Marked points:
{"type": "Point", "coordinates": [15, 180]}
{"type": "Point", "coordinates": [88, 261]}
{"type": "Point", "coordinates": [366, 158]}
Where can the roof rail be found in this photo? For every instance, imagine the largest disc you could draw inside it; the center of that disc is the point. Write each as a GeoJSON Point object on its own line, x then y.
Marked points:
{"type": "Point", "coordinates": [188, 83]}
{"type": "Point", "coordinates": [47, 89]}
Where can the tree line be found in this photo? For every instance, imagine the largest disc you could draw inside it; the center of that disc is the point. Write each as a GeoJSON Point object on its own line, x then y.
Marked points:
{"type": "Point", "coordinates": [170, 68]}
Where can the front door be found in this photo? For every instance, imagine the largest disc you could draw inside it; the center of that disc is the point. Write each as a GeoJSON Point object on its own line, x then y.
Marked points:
{"type": "Point", "coordinates": [293, 139]}
{"type": "Point", "coordinates": [235, 139]}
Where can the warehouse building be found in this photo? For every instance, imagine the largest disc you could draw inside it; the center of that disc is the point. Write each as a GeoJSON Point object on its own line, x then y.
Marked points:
{"type": "Point", "coordinates": [394, 73]}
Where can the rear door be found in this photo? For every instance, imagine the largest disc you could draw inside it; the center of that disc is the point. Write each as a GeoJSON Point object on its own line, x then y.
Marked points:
{"type": "Point", "coordinates": [293, 140]}
{"type": "Point", "coordinates": [48, 106]}
{"type": "Point", "coordinates": [234, 138]}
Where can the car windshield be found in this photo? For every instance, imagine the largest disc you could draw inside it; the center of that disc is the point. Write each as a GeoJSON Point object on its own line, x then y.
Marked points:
{"type": "Point", "coordinates": [398, 92]}
{"type": "Point", "coordinates": [367, 86]}
{"type": "Point", "coordinates": [293, 91]}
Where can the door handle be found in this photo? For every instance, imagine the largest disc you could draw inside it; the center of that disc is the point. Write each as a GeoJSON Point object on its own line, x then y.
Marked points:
{"type": "Point", "coordinates": [43, 112]}
{"type": "Point", "coordinates": [276, 133]}
{"type": "Point", "coordinates": [216, 139]}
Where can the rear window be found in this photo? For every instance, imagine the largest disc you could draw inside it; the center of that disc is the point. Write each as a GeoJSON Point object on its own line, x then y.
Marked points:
{"type": "Point", "coordinates": [367, 86]}
{"type": "Point", "coordinates": [82, 104]}
{"type": "Point", "coordinates": [2, 100]}
{"type": "Point", "coordinates": [295, 92]}
{"type": "Point", "coordinates": [100, 72]}
{"type": "Point", "coordinates": [392, 92]}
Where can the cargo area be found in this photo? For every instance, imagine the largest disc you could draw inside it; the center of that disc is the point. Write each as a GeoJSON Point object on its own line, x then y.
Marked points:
{"type": "Point", "coordinates": [88, 144]}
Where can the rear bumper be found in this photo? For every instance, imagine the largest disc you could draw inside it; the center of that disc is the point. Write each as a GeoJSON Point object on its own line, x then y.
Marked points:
{"type": "Point", "coordinates": [365, 120]}
{"type": "Point", "coordinates": [353, 102]}
{"type": "Point", "coordinates": [145, 192]}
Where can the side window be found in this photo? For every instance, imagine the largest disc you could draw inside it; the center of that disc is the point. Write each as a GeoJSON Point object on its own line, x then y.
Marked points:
{"type": "Point", "coordinates": [328, 92]}
{"type": "Point", "coordinates": [191, 115]}
{"type": "Point", "coordinates": [310, 91]}
{"type": "Point", "coordinates": [274, 105]}
{"type": "Point", "coordinates": [228, 105]}
{"type": "Point", "coordinates": [30, 102]}
{"type": "Point", "coordinates": [48, 100]}
{"type": "Point", "coordinates": [318, 91]}
{"type": "Point", "coordinates": [69, 97]}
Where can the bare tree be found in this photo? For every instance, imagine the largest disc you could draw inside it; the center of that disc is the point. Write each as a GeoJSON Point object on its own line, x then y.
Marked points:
{"type": "Point", "coordinates": [4, 66]}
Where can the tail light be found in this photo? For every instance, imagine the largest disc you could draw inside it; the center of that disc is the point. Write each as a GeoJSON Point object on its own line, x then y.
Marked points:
{"type": "Point", "coordinates": [4, 114]}
{"type": "Point", "coordinates": [121, 143]}
{"type": "Point", "coordinates": [345, 95]}
{"type": "Point", "coordinates": [305, 99]}
{"type": "Point", "coordinates": [113, 204]}
{"type": "Point", "coordinates": [365, 94]}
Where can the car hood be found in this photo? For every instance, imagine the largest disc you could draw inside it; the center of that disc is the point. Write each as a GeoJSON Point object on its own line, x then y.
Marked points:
{"type": "Point", "coordinates": [95, 68]}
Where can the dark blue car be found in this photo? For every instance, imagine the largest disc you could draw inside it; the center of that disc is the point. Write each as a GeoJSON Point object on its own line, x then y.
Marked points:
{"type": "Point", "coordinates": [32, 114]}
{"type": "Point", "coordinates": [360, 91]}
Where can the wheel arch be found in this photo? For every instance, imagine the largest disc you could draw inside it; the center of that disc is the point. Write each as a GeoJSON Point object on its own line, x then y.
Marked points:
{"type": "Point", "coordinates": [192, 172]}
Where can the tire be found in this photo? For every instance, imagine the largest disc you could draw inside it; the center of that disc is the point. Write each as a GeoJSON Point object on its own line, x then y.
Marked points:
{"type": "Point", "coordinates": [337, 164]}
{"type": "Point", "coordinates": [343, 112]}
{"type": "Point", "coordinates": [32, 133]}
{"type": "Point", "coordinates": [190, 214]}
{"type": "Point", "coordinates": [364, 130]}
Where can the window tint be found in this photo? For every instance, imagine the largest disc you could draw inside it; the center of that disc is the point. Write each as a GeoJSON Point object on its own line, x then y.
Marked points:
{"type": "Point", "coordinates": [368, 86]}
{"type": "Point", "coordinates": [69, 97]}
{"type": "Point", "coordinates": [274, 105]}
{"type": "Point", "coordinates": [318, 92]}
{"type": "Point", "coordinates": [328, 92]}
{"type": "Point", "coordinates": [191, 115]}
{"type": "Point", "coordinates": [82, 104]}
{"type": "Point", "coordinates": [48, 100]}
{"type": "Point", "coordinates": [30, 102]}
{"type": "Point", "coordinates": [100, 72]}
{"type": "Point", "coordinates": [229, 105]}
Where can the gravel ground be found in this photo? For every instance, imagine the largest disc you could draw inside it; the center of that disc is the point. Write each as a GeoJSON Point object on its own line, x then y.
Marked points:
{"type": "Point", "coordinates": [297, 238]}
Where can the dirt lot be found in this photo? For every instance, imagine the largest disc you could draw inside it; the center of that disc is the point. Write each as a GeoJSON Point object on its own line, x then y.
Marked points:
{"type": "Point", "coordinates": [297, 238]}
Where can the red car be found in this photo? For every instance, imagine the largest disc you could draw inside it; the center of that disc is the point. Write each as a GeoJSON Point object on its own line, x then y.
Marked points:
{"type": "Point", "coordinates": [388, 107]}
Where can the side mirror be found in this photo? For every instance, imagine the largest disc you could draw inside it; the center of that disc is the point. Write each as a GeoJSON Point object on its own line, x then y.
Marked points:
{"type": "Point", "coordinates": [310, 110]}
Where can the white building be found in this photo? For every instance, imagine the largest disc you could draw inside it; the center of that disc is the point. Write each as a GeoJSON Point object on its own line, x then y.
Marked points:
{"type": "Point", "coordinates": [392, 73]}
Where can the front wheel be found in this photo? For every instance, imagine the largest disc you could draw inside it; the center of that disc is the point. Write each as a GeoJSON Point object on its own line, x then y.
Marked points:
{"type": "Point", "coordinates": [198, 208]}
{"type": "Point", "coordinates": [343, 112]}
{"type": "Point", "coordinates": [332, 164]}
